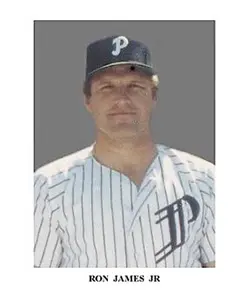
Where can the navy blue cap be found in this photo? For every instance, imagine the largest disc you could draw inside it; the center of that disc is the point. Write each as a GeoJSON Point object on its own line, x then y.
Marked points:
{"type": "Point", "coordinates": [117, 50]}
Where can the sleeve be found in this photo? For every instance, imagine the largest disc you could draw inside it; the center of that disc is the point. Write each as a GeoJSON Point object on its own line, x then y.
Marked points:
{"type": "Point", "coordinates": [207, 244]}
{"type": "Point", "coordinates": [47, 243]}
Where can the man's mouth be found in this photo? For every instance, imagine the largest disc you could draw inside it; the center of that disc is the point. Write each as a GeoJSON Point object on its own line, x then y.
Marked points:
{"type": "Point", "coordinates": [121, 113]}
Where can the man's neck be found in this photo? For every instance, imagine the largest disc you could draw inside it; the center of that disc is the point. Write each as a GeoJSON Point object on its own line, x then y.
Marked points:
{"type": "Point", "coordinates": [124, 152]}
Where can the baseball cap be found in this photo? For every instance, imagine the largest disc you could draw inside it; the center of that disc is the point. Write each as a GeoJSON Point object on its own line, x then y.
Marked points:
{"type": "Point", "coordinates": [117, 50]}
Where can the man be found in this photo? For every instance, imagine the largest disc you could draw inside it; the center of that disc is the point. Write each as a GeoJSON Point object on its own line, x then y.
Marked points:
{"type": "Point", "coordinates": [125, 201]}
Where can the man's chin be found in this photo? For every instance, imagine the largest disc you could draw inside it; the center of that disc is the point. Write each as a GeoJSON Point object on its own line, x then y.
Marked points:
{"type": "Point", "coordinates": [124, 131]}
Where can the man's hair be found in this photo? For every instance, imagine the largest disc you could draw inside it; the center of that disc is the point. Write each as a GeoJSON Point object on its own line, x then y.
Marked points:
{"type": "Point", "coordinates": [87, 86]}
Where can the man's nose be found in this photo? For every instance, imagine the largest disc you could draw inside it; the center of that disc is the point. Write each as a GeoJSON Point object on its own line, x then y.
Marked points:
{"type": "Point", "coordinates": [122, 89]}
{"type": "Point", "coordinates": [122, 94]}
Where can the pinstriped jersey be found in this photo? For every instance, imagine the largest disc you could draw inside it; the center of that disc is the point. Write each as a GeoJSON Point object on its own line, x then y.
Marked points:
{"type": "Point", "coordinates": [89, 215]}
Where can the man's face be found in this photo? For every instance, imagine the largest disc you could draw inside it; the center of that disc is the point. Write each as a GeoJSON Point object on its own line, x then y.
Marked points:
{"type": "Point", "coordinates": [121, 102]}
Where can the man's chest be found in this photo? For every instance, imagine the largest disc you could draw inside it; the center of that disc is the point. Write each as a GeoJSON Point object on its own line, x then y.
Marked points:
{"type": "Point", "coordinates": [109, 222]}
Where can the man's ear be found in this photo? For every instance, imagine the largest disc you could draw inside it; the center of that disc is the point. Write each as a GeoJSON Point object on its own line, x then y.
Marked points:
{"type": "Point", "coordinates": [155, 97]}
{"type": "Point", "coordinates": [87, 103]}
{"type": "Point", "coordinates": [154, 102]}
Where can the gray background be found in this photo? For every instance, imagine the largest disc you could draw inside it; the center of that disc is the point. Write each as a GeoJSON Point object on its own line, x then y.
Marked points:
{"type": "Point", "coordinates": [183, 55]}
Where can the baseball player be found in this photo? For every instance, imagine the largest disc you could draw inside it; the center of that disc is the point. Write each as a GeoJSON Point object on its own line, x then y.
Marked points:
{"type": "Point", "coordinates": [124, 201]}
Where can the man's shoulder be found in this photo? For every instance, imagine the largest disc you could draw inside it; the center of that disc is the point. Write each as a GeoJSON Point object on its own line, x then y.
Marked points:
{"type": "Point", "coordinates": [182, 157]}
{"type": "Point", "coordinates": [64, 164]}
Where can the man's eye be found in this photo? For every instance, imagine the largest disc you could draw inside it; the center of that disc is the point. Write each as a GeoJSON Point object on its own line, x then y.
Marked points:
{"type": "Point", "coordinates": [136, 86]}
{"type": "Point", "coordinates": [106, 87]}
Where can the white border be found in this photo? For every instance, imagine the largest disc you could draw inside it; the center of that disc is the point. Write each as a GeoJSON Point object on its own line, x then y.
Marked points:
{"type": "Point", "coordinates": [232, 97]}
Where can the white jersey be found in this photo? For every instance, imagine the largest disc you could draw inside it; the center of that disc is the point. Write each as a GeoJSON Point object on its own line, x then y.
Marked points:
{"type": "Point", "coordinates": [88, 215]}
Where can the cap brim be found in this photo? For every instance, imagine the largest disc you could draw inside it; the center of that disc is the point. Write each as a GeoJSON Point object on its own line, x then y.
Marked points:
{"type": "Point", "coordinates": [137, 66]}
